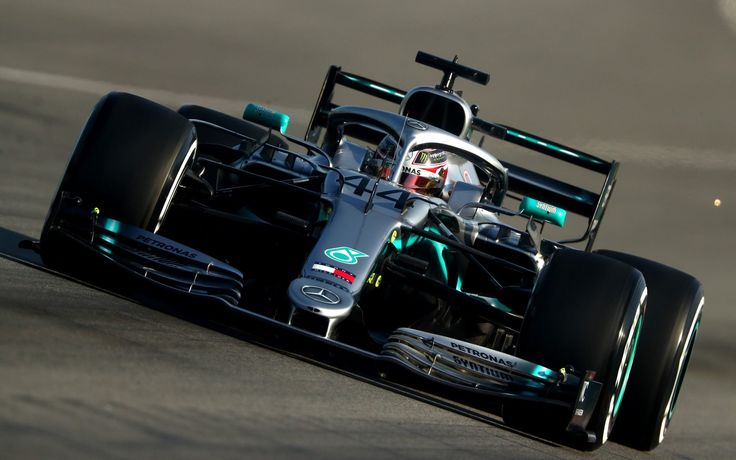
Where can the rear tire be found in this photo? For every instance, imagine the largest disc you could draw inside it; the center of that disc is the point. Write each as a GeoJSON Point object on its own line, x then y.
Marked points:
{"type": "Point", "coordinates": [585, 312]}
{"type": "Point", "coordinates": [128, 162]}
{"type": "Point", "coordinates": [674, 313]}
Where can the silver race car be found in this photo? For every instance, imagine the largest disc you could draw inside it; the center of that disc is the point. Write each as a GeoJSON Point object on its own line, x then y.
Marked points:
{"type": "Point", "coordinates": [389, 238]}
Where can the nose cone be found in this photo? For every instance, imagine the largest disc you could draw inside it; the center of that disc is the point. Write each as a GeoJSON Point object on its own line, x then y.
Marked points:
{"type": "Point", "coordinates": [320, 298]}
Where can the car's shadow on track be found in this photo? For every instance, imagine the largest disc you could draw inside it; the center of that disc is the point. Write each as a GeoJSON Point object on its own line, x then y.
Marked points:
{"type": "Point", "coordinates": [22, 249]}
{"type": "Point", "coordinates": [12, 247]}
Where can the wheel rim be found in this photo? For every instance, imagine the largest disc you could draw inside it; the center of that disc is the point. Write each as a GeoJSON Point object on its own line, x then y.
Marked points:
{"type": "Point", "coordinates": [629, 365]}
{"type": "Point", "coordinates": [624, 369]}
{"type": "Point", "coordinates": [669, 409]}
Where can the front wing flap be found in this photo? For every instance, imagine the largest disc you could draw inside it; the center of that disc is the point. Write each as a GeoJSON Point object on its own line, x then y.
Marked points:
{"type": "Point", "coordinates": [145, 254]}
{"type": "Point", "coordinates": [466, 363]}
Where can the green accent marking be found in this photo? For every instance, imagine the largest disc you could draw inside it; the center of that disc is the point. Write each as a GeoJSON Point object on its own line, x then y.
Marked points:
{"type": "Point", "coordinates": [492, 301]}
{"type": "Point", "coordinates": [266, 117]}
{"type": "Point", "coordinates": [539, 371]}
{"type": "Point", "coordinates": [459, 283]}
{"type": "Point", "coordinates": [500, 305]}
{"type": "Point", "coordinates": [439, 248]}
{"type": "Point", "coordinates": [111, 225]}
{"type": "Point", "coordinates": [344, 255]}
{"type": "Point", "coordinates": [550, 146]}
{"type": "Point", "coordinates": [375, 86]}
{"type": "Point", "coordinates": [110, 240]}
{"type": "Point", "coordinates": [629, 365]}
{"type": "Point", "coordinates": [543, 211]}
{"type": "Point", "coordinates": [405, 242]}
{"type": "Point", "coordinates": [324, 214]}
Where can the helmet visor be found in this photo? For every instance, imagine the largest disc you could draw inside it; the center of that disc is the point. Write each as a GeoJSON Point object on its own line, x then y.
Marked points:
{"type": "Point", "coordinates": [431, 185]}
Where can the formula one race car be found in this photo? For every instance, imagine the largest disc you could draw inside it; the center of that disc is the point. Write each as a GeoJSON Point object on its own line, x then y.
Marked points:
{"type": "Point", "coordinates": [391, 236]}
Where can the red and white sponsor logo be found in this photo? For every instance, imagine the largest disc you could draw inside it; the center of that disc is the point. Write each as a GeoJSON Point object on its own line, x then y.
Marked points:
{"type": "Point", "coordinates": [340, 273]}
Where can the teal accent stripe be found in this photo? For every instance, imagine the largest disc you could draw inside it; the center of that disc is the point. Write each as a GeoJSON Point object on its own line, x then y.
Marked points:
{"type": "Point", "coordinates": [629, 365]}
{"type": "Point", "coordinates": [374, 86]}
{"type": "Point", "coordinates": [546, 212]}
{"type": "Point", "coordinates": [551, 146]}
{"type": "Point", "coordinates": [111, 225]}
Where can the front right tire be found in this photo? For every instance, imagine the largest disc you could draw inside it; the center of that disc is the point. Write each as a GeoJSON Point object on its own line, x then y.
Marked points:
{"type": "Point", "coordinates": [586, 311]}
{"type": "Point", "coordinates": [674, 313]}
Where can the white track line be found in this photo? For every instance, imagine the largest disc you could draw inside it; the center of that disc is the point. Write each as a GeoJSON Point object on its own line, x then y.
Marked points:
{"type": "Point", "coordinates": [170, 98]}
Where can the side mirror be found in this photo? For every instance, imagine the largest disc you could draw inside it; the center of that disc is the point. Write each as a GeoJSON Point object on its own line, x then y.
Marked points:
{"type": "Point", "coordinates": [543, 211]}
{"type": "Point", "coordinates": [266, 117]}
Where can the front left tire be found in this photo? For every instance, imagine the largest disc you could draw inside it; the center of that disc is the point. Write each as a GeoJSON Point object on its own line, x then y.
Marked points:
{"type": "Point", "coordinates": [127, 163]}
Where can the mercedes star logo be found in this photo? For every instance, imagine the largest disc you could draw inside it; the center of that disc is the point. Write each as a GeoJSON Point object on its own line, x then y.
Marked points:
{"type": "Point", "coordinates": [321, 295]}
{"type": "Point", "coordinates": [417, 125]}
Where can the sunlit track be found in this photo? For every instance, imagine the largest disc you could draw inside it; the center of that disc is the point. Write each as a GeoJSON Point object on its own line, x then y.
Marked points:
{"type": "Point", "coordinates": [86, 374]}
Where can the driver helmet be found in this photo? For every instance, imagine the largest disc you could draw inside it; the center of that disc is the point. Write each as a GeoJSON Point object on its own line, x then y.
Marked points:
{"type": "Point", "coordinates": [425, 171]}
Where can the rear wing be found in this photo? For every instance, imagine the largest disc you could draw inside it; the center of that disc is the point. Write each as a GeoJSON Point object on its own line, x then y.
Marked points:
{"type": "Point", "coordinates": [575, 199]}
{"type": "Point", "coordinates": [586, 203]}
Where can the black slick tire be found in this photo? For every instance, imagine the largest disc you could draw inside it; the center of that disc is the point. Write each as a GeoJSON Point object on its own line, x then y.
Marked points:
{"type": "Point", "coordinates": [586, 312]}
{"type": "Point", "coordinates": [128, 162]}
{"type": "Point", "coordinates": [674, 312]}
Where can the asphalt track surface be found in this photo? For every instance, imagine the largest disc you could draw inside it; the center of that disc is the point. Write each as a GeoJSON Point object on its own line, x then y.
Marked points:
{"type": "Point", "coordinates": [87, 374]}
